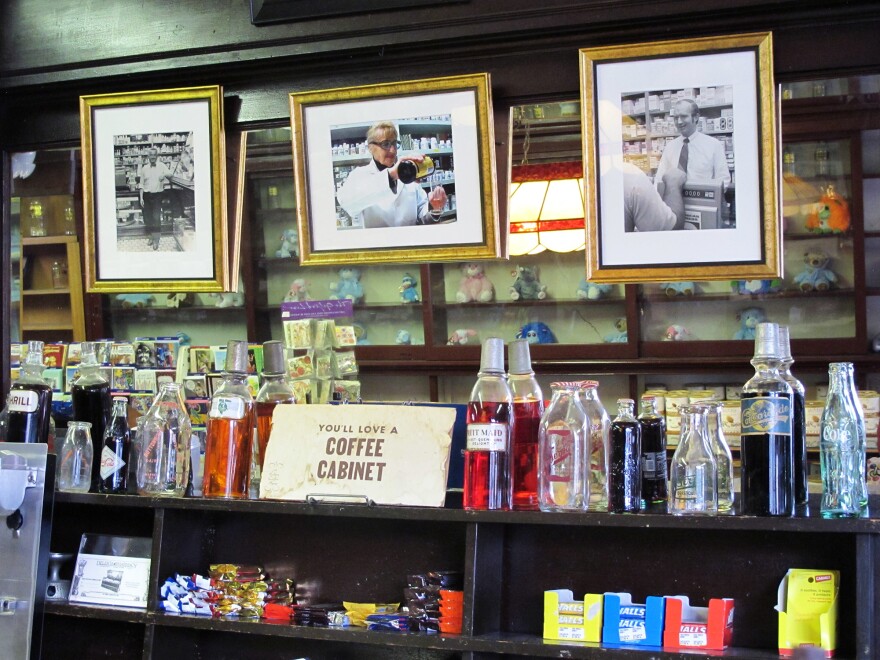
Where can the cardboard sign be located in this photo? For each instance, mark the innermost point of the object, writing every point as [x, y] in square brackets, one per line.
[316, 309]
[388, 454]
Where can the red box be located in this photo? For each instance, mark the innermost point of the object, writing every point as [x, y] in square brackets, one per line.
[698, 627]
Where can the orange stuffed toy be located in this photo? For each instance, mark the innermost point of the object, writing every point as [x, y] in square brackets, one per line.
[831, 215]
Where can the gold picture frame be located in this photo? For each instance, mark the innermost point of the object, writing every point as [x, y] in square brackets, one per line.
[154, 191]
[448, 119]
[638, 103]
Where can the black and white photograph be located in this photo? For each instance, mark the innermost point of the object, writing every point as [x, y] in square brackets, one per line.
[679, 158]
[154, 191]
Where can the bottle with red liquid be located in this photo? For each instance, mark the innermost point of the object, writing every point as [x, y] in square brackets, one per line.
[29, 403]
[624, 461]
[90, 394]
[654, 468]
[528, 407]
[274, 390]
[489, 429]
[799, 418]
[230, 433]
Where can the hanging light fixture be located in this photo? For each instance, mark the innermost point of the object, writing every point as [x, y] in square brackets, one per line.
[546, 208]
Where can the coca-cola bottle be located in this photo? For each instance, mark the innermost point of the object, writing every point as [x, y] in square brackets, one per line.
[528, 407]
[90, 394]
[654, 464]
[116, 450]
[29, 404]
[489, 423]
[624, 461]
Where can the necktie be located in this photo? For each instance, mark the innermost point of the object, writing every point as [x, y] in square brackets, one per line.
[683, 156]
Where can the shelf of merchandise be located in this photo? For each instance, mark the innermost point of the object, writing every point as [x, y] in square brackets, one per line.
[497, 551]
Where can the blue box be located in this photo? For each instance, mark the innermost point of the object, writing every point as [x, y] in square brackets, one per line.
[631, 623]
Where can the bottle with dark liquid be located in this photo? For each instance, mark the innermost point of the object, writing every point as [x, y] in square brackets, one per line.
[29, 404]
[90, 394]
[766, 449]
[230, 433]
[528, 407]
[274, 390]
[489, 423]
[799, 423]
[654, 468]
[624, 461]
[116, 450]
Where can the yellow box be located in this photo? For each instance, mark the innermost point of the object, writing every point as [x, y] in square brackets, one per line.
[807, 605]
[569, 619]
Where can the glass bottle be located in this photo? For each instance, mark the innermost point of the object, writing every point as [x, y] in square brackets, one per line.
[231, 422]
[29, 403]
[59, 274]
[600, 438]
[37, 225]
[90, 394]
[788, 161]
[839, 449]
[654, 469]
[134, 454]
[163, 445]
[528, 408]
[860, 427]
[116, 450]
[69, 221]
[562, 443]
[723, 457]
[694, 472]
[489, 423]
[274, 390]
[75, 460]
[798, 421]
[766, 450]
[624, 462]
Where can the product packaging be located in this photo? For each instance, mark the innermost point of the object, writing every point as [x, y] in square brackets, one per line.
[570, 619]
[698, 627]
[626, 622]
[807, 606]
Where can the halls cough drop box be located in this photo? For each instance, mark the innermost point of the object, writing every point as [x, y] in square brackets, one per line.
[807, 605]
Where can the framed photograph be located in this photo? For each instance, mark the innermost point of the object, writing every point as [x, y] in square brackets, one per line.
[396, 172]
[154, 181]
[680, 160]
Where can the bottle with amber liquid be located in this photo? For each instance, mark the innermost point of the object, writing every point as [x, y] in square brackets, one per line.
[654, 468]
[116, 450]
[528, 407]
[624, 461]
[799, 419]
[274, 390]
[766, 448]
[90, 394]
[29, 403]
[489, 422]
[231, 421]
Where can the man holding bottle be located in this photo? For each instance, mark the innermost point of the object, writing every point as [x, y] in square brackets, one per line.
[378, 195]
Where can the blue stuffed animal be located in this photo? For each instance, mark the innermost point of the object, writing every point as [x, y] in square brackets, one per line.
[536, 333]
[673, 289]
[526, 285]
[409, 292]
[816, 276]
[619, 335]
[404, 338]
[756, 287]
[749, 318]
[591, 291]
[348, 285]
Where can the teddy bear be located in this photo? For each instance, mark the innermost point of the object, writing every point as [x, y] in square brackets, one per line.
[619, 336]
[816, 276]
[526, 285]
[676, 333]
[474, 285]
[348, 286]
[289, 244]
[749, 318]
[130, 300]
[831, 214]
[536, 333]
[591, 291]
[464, 337]
[673, 289]
[756, 287]
[298, 292]
[409, 292]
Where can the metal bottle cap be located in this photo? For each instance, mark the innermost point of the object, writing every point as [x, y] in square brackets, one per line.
[766, 340]
[273, 357]
[237, 356]
[492, 355]
[784, 343]
[519, 358]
